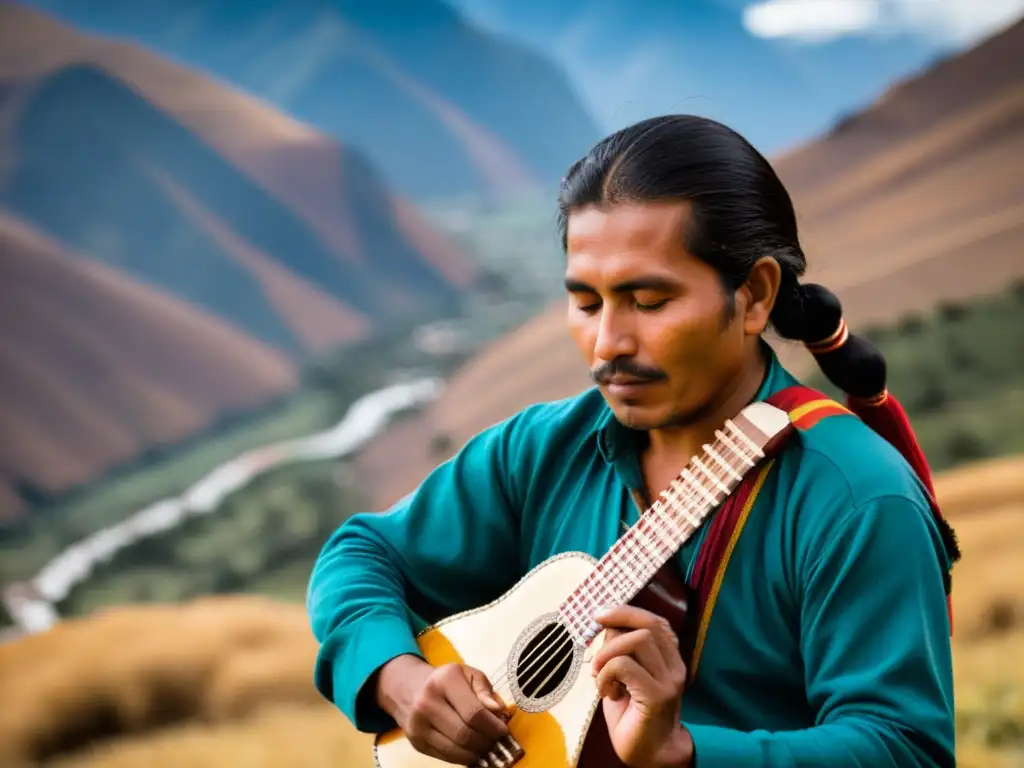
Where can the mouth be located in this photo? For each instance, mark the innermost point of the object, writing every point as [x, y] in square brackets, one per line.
[624, 386]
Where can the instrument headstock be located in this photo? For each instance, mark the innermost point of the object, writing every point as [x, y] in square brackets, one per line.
[763, 424]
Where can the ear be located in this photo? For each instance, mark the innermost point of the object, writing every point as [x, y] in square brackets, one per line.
[760, 291]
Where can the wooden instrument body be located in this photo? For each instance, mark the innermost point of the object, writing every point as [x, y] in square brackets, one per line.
[486, 638]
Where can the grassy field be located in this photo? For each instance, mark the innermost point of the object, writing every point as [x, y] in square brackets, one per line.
[226, 681]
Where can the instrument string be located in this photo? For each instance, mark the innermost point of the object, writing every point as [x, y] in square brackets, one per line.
[620, 582]
[673, 495]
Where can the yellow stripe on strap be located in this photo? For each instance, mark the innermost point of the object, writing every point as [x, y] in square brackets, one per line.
[809, 414]
[702, 630]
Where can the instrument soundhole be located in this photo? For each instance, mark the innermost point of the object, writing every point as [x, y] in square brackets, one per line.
[545, 663]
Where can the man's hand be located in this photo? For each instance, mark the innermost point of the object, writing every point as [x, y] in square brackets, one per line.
[451, 713]
[641, 677]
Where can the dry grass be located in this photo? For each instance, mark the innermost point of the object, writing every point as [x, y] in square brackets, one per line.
[170, 679]
[281, 737]
[986, 505]
[226, 681]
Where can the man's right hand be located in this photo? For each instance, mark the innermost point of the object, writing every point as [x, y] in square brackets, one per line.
[451, 713]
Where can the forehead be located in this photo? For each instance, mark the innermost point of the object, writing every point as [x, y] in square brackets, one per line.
[629, 236]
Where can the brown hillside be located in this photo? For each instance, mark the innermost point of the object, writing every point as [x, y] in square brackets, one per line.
[915, 200]
[280, 187]
[227, 681]
[249, 133]
[96, 366]
[273, 240]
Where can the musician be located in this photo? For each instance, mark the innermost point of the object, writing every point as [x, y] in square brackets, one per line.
[830, 642]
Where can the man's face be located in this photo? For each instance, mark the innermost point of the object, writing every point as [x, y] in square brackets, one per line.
[652, 321]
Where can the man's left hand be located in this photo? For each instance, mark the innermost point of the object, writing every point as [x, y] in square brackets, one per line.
[641, 676]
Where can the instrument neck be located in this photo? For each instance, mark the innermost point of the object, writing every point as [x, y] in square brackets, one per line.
[661, 529]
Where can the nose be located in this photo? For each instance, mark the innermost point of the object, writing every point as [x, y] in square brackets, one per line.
[615, 337]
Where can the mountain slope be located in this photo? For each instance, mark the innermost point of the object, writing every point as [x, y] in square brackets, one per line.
[170, 250]
[98, 367]
[206, 193]
[444, 107]
[916, 200]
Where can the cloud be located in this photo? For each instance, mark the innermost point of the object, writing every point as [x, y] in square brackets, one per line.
[957, 22]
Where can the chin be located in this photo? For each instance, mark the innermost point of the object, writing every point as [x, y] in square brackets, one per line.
[637, 416]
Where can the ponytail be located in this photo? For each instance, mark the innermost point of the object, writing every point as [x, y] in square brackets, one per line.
[813, 315]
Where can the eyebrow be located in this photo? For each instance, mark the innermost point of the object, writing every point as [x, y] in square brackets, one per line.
[647, 283]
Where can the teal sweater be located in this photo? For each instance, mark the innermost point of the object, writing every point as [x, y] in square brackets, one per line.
[829, 643]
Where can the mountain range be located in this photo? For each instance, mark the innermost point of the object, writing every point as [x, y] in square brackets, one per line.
[200, 242]
[439, 106]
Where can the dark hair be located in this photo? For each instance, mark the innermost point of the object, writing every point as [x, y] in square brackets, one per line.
[740, 212]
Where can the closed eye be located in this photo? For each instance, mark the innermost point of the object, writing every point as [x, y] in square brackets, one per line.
[651, 307]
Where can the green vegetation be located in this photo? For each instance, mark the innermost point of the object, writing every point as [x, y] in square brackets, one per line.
[263, 538]
[959, 373]
[328, 387]
[53, 526]
[516, 240]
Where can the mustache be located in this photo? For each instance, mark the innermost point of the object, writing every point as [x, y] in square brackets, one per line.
[603, 373]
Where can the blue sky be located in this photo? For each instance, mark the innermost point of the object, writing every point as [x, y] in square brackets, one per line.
[779, 71]
[815, 58]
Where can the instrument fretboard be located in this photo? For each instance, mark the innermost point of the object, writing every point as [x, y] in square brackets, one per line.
[665, 526]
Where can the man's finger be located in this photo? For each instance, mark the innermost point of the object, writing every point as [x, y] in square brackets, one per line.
[629, 617]
[444, 748]
[641, 645]
[486, 693]
[627, 671]
[449, 723]
[470, 708]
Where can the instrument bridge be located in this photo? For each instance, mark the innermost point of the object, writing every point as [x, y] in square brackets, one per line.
[505, 754]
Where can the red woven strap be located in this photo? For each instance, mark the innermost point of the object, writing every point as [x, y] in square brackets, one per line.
[885, 415]
[806, 407]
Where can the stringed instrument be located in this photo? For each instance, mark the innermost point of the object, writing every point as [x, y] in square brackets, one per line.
[534, 641]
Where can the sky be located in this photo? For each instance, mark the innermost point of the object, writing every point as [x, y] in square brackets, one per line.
[780, 71]
[817, 59]
[956, 23]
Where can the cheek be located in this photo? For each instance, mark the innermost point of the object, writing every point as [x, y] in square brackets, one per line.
[690, 343]
[583, 330]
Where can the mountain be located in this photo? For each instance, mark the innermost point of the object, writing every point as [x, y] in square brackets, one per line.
[97, 367]
[171, 250]
[916, 200]
[195, 188]
[440, 106]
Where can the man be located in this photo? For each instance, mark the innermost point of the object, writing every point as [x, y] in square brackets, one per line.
[830, 639]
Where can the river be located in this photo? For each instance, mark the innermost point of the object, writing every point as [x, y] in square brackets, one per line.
[33, 604]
